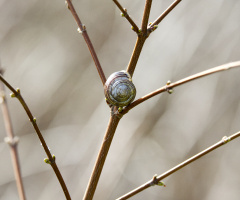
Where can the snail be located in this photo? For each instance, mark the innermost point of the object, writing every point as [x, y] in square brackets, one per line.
[119, 89]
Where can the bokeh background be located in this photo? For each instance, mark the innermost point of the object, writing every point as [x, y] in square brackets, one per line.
[45, 56]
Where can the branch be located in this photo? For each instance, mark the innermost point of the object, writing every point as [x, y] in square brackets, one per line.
[83, 30]
[112, 126]
[51, 159]
[168, 87]
[125, 14]
[146, 14]
[156, 179]
[165, 13]
[12, 140]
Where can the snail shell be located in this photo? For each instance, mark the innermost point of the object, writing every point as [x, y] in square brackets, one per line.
[119, 89]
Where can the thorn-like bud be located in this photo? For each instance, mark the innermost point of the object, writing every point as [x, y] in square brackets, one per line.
[54, 157]
[18, 90]
[120, 109]
[168, 82]
[122, 14]
[125, 9]
[170, 91]
[34, 119]
[46, 160]
[12, 95]
[161, 184]
[140, 30]
[225, 139]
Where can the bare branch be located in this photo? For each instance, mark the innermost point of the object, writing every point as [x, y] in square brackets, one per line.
[83, 30]
[156, 180]
[180, 82]
[165, 13]
[146, 14]
[125, 14]
[112, 126]
[12, 140]
[51, 159]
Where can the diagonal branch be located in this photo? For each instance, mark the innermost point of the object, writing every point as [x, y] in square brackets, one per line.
[92, 184]
[180, 82]
[156, 179]
[165, 13]
[51, 159]
[125, 14]
[82, 29]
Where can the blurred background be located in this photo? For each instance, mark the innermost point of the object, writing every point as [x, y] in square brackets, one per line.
[44, 55]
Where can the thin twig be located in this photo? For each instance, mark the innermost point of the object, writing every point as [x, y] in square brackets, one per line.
[146, 14]
[165, 13]
[51, 159]
[125, 14]
[180, 82]
[83, 30]
[12, 140]
[156, 180]
[92, 184]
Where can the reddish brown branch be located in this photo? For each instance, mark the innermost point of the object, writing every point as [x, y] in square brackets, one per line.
[12, 140]
[180, 82]
[92, 184]
[83, 30]
[125, 14]
[146, 14]
[157, 179]
[165, 13]
[51, 159]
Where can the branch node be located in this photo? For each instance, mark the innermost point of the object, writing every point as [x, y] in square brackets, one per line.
[2, 97]
[226, 139]
[155, 181]
[83, 29]
[66, 3]
[48, 161]
[11, 141]
[116, 111]
[167, 88]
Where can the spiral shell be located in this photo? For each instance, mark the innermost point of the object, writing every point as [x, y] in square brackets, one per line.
[119, 89]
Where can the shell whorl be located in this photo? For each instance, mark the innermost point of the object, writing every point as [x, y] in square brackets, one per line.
[119, 89]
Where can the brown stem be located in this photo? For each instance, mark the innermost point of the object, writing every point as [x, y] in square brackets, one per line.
[125, 14]
[156, 180]
[180, 82]
[146, 14]
[16, 93]
[135, 55]
[83, 30]
[165, 13]
[12, 141]
[92, 184]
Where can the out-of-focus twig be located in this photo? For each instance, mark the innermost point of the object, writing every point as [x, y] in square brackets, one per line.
[51, 159]
[170, 86]
[156, 180]
[12, 140]
[82, 29]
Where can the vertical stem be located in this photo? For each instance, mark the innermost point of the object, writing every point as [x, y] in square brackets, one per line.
[91, 188]
[12, 144]
[136, 53]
